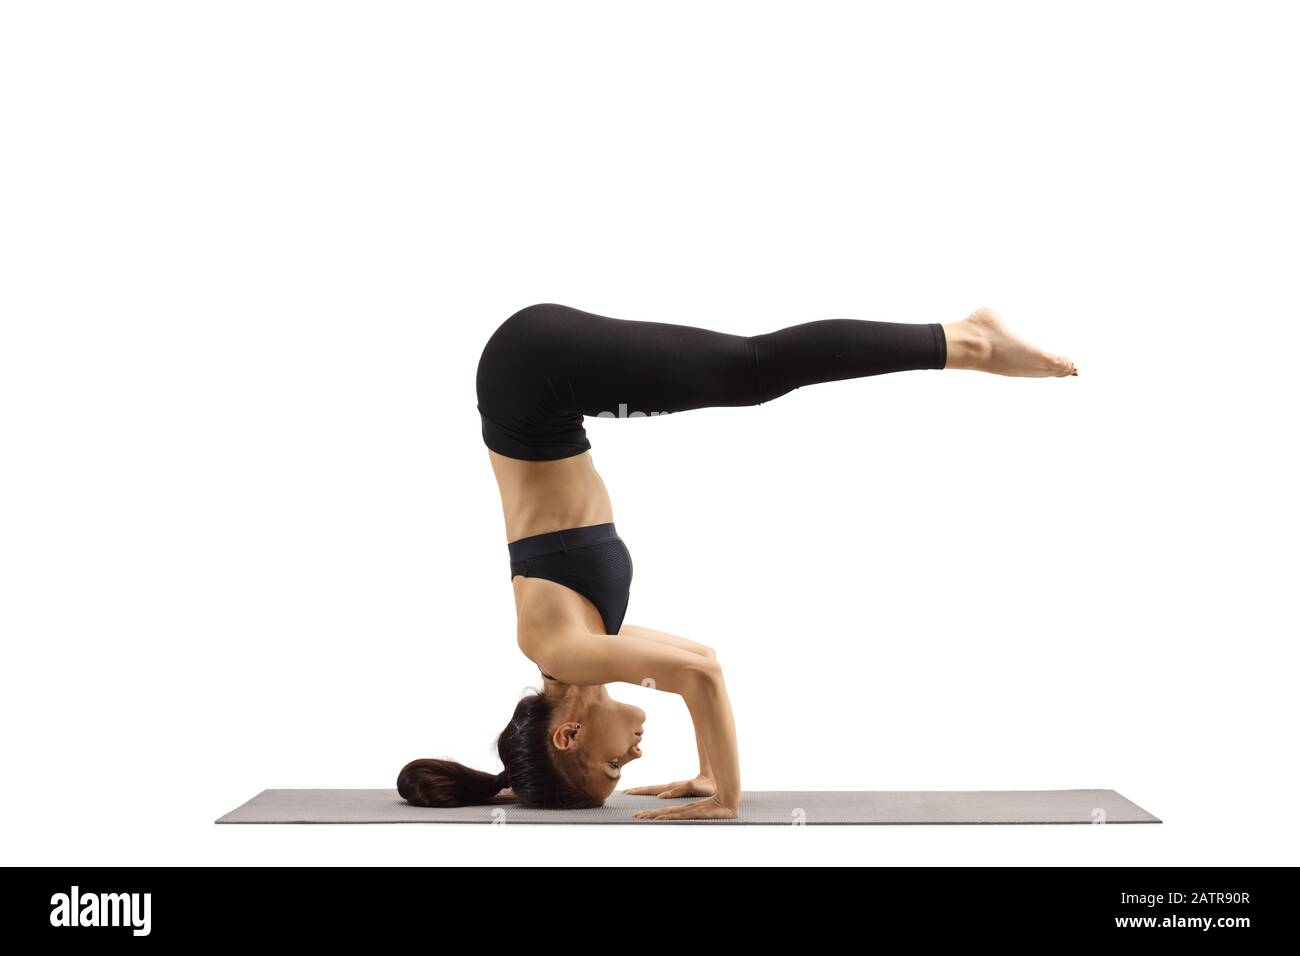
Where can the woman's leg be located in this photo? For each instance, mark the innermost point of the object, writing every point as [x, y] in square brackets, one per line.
[604, 363]
[549, 365]
[601, 365]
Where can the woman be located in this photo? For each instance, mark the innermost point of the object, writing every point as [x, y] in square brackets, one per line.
[541, 372]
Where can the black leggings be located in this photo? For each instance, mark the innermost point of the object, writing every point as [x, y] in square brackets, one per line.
[549, 365]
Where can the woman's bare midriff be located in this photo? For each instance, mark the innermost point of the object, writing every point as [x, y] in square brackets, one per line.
[542, 496]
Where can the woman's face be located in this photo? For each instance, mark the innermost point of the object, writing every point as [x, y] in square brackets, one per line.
[608, 735]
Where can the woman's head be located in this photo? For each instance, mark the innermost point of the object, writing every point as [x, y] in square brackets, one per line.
[563, 749]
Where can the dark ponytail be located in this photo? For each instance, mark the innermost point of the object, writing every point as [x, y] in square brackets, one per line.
[538, 774]
[429, 782]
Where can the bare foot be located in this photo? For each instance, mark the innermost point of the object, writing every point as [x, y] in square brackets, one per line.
[984, 343]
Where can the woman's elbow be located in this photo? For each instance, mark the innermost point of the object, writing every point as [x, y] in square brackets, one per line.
[702, 674]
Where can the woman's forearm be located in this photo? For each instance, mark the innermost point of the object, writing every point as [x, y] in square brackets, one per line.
[715, 733]
[706, 768]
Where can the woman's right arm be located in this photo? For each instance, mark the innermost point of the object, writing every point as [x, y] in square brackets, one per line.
[575, 657]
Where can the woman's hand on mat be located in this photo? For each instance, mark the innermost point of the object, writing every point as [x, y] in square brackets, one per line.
[710, 809]
[700, 786]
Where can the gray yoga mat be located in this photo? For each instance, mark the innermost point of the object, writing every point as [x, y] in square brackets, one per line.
[771, 807]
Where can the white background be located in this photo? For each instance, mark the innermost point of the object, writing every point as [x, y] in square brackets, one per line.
[251, 252]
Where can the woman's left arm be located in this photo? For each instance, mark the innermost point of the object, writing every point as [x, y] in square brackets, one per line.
[701, 785]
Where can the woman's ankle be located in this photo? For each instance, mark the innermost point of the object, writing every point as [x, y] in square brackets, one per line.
[967, 347]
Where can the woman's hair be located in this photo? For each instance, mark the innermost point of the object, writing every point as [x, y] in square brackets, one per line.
[534, 769]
